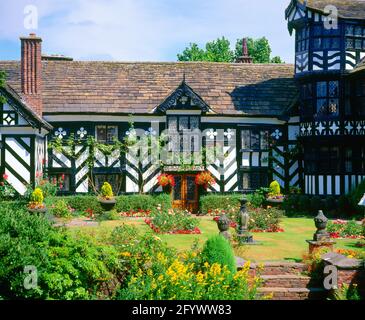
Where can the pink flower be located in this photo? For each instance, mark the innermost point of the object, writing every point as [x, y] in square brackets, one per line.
[5, 176]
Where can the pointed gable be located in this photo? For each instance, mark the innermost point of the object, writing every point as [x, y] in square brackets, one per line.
[184, 97]
[15, 112]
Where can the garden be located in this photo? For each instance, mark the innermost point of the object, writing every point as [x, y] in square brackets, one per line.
[139, 247]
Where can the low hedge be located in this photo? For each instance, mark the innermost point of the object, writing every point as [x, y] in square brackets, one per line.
[124, 203]
[213, 202]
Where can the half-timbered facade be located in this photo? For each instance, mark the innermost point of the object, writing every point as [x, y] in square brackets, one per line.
[260, 116]
[330, 50]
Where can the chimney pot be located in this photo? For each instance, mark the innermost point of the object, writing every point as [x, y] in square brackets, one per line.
[245, 58]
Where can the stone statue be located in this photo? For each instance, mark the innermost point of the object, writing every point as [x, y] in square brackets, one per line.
[244, 236]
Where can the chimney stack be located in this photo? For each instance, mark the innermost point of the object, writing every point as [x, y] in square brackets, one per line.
[31, 72]
[245, 58]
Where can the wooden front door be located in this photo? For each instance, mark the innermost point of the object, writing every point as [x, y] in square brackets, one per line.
[185, 193]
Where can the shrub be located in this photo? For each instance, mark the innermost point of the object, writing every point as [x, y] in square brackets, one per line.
[143, 202]
[217, 249]
[109, 216]
[258, 198]
[211, 203]
[315, 204]
[68, 267]
[7, 191]
[343, 229]
[61, 210]
[177, 280]
[107, 191]
[84, 203]
[265, 219]
[37, 196]
[174, 221]
[275, 189]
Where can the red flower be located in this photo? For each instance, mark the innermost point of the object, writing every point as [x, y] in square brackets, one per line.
[5, 176]
[165, 180]
[205, 179]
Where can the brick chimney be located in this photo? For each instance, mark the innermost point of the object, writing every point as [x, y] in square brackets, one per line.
[31, 72]
[245, 58]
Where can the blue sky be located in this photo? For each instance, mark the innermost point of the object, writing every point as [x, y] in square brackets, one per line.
[142, 30]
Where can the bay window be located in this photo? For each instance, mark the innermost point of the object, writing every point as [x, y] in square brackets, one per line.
[327, 99]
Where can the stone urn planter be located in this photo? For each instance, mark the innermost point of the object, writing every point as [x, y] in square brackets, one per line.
[107, 204]
[40, 210]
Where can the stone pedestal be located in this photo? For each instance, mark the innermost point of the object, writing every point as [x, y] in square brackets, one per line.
[315, 245]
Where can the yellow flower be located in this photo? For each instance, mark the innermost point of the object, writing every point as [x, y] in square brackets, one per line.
[126, 254]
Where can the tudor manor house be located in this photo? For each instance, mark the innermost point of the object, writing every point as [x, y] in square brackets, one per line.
[302, 125]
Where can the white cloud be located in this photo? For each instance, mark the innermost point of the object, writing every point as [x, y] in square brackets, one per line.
[147, 30]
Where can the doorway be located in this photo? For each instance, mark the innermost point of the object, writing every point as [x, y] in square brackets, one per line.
[185, 194]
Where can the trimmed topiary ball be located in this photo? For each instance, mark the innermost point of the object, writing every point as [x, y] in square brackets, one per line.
[218, 250]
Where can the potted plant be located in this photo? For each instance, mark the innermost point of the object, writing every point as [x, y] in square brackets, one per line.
[36, 204]
[106, 198]
[204, 180]
[166, 181]
[275, 195]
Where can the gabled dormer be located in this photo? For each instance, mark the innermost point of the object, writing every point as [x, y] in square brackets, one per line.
[183, 98]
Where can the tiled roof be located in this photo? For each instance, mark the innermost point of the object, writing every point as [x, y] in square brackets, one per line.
[352, 9]
[125, 88]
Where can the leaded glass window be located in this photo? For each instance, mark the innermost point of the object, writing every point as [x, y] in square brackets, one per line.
[327, 99]
[106, 133]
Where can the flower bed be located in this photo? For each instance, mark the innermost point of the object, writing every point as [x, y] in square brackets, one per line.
[174, 222]
[196, 230]
[136, 213]
[341, 229]
[232, 224]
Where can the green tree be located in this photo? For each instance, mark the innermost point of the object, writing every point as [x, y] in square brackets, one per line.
[220, 51]
[215, 51]
[259, 49]
[192, 53]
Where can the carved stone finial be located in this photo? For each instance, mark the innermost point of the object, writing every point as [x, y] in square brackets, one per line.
[321, 224]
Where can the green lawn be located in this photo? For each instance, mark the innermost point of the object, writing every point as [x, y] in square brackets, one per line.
[289, 246]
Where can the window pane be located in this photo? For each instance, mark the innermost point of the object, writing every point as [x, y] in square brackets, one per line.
[245, 136]
[326, 43]
[333, 88]
[245, 181]
[358, 31]
[255, 140]
[349, 43]
[172, 124]
[358, 44]
[333, 107]
[194, 123]
[183, 123]
[264, 140]
[349, 30]
[335, 43]
[177, 188]
[321, 107]
[317, 30]
[321, 89]
[101, 133]
[317, 43]
[112, 133]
